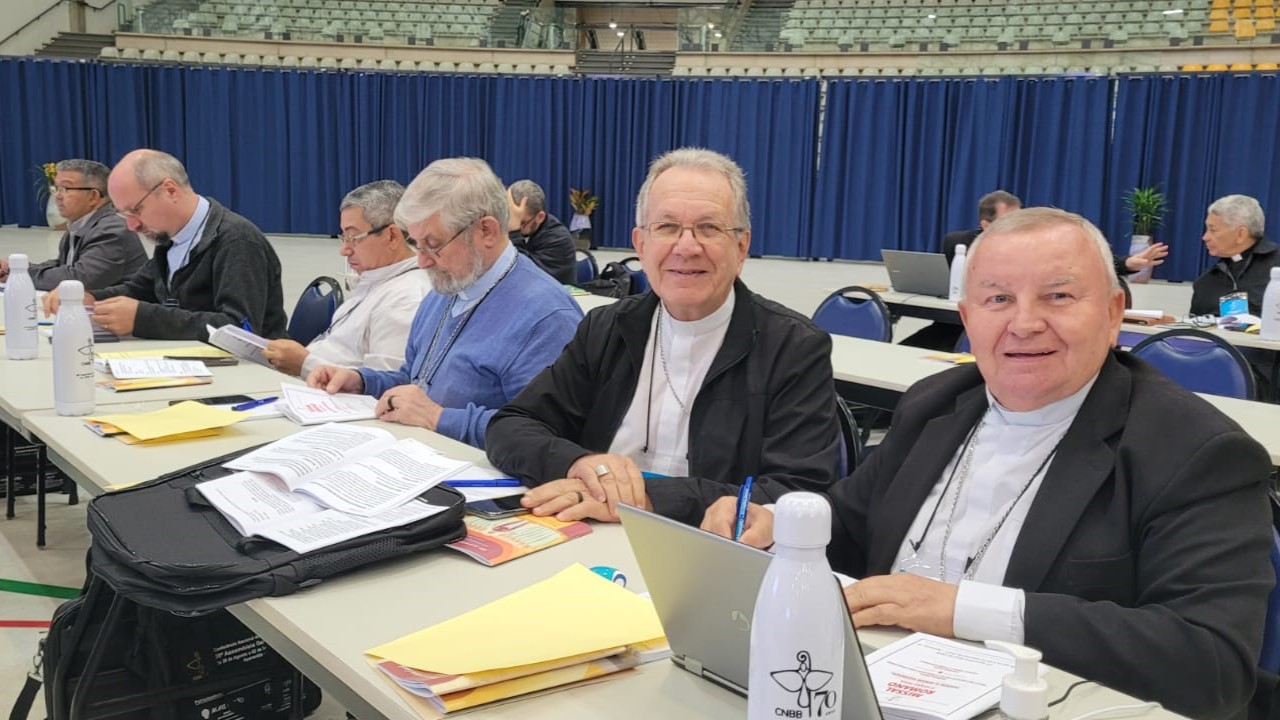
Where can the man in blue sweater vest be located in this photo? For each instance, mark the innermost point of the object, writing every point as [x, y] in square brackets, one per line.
[493, 321]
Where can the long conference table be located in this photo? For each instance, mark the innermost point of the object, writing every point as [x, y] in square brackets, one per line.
[325, 629]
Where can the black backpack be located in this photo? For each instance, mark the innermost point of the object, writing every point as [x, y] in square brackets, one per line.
[614, 281]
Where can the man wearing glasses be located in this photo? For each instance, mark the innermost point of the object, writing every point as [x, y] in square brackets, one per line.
[538, 234]
[371, 327]
[211, 266]
[493, 321]
[699, 384]
[97, 249]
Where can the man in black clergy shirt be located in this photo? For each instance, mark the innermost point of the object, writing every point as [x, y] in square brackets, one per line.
[1061, 494]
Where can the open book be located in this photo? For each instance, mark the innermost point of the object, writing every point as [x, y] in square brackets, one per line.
[239, 342]
[328, 484]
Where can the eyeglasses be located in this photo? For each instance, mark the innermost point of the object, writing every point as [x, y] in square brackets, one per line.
[351, 240]
[137, 207]
[704, 232]
[60, 189]
[526, 226]
[423, 247]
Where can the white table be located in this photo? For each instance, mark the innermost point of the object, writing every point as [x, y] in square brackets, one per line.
[319, 633]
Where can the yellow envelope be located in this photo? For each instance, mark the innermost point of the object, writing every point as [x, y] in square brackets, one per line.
[185, 417]
[574, 612]
[193, 351]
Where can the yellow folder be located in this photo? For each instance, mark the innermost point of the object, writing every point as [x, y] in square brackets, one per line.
[574, 612]
[185, 417]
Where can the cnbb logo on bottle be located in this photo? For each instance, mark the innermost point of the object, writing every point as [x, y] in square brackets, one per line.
[808, 684]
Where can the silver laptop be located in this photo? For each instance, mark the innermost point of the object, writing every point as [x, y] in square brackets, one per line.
[918, 272]
[704, 589]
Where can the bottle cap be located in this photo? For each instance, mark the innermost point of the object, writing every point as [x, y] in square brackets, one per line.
[1024, 695]
[71, 291]
[1275, 273]
[17, 261]
[961, 249]
[802, 520]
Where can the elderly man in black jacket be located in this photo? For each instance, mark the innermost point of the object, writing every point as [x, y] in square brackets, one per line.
[1062, 494]
[211, 266]
[699, 384]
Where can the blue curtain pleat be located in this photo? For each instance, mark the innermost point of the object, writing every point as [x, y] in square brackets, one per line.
[899, 162]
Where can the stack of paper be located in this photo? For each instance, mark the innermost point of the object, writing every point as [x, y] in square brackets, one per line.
[329, 484]
[153, 372]
[924, 677]
[100, 359]
[312, 406]
[587, 628]
[177, 422]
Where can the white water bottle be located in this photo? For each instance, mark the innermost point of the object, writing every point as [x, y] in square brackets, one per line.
[22, 336]
[1271, 308]
[72, 353]
[797, 631]
[957, 273]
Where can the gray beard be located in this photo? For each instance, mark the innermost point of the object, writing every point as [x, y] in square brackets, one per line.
[446, 284]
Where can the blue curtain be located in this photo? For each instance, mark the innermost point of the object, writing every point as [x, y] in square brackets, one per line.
[900, 162]
[904, 161]
[770, 127]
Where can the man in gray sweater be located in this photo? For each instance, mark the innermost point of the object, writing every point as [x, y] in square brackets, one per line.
[211, 266]
[97, 249]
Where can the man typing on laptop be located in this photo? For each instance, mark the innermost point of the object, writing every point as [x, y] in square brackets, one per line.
[1060, 494]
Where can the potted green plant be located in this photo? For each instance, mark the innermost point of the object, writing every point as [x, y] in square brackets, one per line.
[1147, 207]
[583, 203]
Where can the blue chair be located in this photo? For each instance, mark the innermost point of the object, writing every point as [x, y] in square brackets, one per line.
[852, 445]
[314, 311]
[1270, 658]
[857, 312]
[639, 281]
[586, 268]
[1199, 362]
[963, 345]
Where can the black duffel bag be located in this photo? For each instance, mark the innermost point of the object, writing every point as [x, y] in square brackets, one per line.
[163, 546]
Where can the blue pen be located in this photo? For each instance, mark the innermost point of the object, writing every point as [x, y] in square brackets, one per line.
[500, 482]
[744, 499]
[253, 404]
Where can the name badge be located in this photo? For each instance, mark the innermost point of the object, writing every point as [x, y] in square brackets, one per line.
[1236, 303]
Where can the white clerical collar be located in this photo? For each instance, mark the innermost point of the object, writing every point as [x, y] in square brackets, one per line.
[195, 225]
[373, 276]
[489, 278]
[716, 320]
[1051, 414]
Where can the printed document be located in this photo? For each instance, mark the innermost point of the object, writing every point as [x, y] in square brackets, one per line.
[923, 677]
[312, 406]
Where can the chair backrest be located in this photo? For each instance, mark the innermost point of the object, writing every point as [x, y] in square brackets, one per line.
[639, 281]
[857, 312]
[1270, 658]
[851, 447]
[962, 344]
[314, 311]
[586, 267]
[1199, 362]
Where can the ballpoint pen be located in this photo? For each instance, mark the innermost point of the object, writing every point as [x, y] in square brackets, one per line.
[744, 500]
[499, 482]
[254, 403]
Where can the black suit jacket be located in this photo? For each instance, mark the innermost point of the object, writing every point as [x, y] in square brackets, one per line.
[959, 237]
[107, 252]
[550, 247]
[1145, 552]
